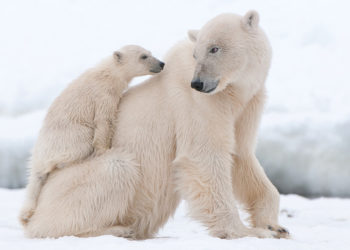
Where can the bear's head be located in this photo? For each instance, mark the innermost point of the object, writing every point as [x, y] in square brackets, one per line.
[137, 60]
[230, 49]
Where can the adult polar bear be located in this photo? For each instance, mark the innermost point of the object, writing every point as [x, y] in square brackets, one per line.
[173, 141]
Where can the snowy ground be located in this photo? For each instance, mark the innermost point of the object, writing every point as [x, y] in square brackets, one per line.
[304, 139]
[314, 224]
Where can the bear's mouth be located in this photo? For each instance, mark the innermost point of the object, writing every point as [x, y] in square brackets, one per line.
[209, 87]
[209, 90]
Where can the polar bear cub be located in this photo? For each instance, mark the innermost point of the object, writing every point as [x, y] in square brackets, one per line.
[79, 122]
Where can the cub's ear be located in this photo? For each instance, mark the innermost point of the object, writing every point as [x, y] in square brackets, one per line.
[250, 21]
[192, 35]
[118, 56]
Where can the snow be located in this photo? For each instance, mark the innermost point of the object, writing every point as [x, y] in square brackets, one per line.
[314, 224]
[304, 138]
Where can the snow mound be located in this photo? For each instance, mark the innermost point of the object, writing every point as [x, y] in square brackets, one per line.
[306, 156]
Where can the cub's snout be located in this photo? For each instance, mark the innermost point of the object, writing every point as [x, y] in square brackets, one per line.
[157, 67]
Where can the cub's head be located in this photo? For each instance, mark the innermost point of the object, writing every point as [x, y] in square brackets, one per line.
[137, 60]
[229, 49]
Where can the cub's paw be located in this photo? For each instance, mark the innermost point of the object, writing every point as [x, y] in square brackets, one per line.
[25, 214]
[281, 232]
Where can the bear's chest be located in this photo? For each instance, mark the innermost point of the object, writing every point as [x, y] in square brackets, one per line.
[206, 130]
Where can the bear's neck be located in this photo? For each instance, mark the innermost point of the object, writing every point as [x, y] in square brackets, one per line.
[120, 72]
[123, 72]
[237, 95]
[251, 82]
[111, 75]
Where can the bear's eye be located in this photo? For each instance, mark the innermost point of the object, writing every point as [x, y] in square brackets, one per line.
[143, 57]
[214, 50]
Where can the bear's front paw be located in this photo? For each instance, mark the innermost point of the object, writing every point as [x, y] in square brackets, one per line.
[281, 232]
[245, 232]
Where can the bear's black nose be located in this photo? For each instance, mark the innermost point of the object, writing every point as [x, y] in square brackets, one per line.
[197, 85]
[161, 64]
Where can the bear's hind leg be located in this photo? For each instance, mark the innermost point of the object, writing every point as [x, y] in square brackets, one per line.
[117, 231]
[86, 198]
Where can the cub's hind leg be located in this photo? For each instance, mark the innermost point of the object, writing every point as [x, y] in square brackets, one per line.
[37, 179]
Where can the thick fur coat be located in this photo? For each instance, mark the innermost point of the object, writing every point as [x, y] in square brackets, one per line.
[79, 123]
[172, 142]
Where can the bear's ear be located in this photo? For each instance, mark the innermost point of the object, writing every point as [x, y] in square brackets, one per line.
[192, 35]
[118, 56]
[250, 21]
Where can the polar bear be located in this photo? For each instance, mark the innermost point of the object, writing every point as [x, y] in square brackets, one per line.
[79, 122]
[188, 132]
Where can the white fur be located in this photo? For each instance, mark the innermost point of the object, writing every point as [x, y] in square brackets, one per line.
[79, 123]
[174, 142]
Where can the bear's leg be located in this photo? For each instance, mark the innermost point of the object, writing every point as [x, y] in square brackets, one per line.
[211, 200]
[103, 135]
[251, 186]
[36, 182]
[87, 197]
